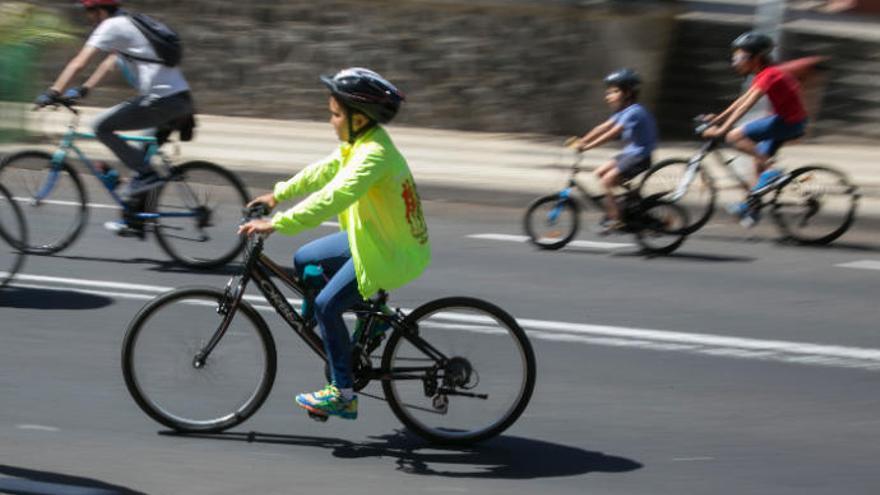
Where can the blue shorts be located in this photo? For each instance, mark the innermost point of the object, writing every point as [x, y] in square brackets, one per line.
[630, 165]
[770, 132]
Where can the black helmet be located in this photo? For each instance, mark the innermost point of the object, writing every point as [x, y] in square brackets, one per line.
[624, 79]
[365, 91]
[753, 42]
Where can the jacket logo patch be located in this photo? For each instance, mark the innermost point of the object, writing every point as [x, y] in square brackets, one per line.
[414, 217]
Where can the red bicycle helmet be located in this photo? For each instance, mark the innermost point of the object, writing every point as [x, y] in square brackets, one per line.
[91, 4]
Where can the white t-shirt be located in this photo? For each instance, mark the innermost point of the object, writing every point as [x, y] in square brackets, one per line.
[119, 35]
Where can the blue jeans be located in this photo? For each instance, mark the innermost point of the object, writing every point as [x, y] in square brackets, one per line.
[770, 132]
[333, 255]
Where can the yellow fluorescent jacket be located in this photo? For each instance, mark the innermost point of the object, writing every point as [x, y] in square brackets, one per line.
[370, 187]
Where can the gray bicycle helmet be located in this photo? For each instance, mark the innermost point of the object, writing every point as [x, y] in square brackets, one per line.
[754, 43]
[624, 79]
[365, 91]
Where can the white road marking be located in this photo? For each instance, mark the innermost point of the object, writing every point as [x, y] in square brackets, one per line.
[581, 244]
[557, 331]
[68, 203]
[861, 265]
[692, 459]
[37, 427]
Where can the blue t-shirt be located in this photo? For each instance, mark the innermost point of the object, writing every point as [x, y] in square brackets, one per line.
[639, 130]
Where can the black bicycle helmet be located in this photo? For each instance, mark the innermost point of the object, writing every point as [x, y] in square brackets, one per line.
[365, 91]
[624, 79]
[754, 43]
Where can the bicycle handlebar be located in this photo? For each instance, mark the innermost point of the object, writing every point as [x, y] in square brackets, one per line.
[62, 102]
[254, 212]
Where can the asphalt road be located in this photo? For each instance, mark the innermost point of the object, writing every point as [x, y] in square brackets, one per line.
[738, 365]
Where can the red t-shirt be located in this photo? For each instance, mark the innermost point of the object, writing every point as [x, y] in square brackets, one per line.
[784, 93]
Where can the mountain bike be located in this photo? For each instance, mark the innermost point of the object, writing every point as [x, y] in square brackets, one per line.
[455, 370]
[13, 233]
[813, 204]
[188, 213]
[552, 221]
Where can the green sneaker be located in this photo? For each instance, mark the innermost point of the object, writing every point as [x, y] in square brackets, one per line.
[328, 402]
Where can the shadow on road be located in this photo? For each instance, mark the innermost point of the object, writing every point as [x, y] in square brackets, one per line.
[505, 457]
[838, 245]
[22, 481]
[26, 298]
[162, 266]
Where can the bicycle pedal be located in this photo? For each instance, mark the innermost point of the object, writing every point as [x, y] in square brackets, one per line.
[318, 417]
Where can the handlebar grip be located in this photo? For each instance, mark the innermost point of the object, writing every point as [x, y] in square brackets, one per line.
[256, 211]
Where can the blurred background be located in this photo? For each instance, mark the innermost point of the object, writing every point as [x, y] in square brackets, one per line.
[521, 66]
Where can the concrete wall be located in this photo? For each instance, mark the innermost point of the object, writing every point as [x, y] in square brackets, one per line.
[490, 65]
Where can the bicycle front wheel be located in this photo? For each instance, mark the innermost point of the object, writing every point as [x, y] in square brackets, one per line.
[815, 206]
[51, 197]
[170, 381]
[663, 181]
[459, 370]
[551, 221]
[13, 234]
[199, 209]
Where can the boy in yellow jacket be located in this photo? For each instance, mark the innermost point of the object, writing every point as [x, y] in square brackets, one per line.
[383, 243]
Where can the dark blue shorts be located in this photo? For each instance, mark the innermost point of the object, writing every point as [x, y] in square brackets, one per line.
[631, 165]
[770, 132]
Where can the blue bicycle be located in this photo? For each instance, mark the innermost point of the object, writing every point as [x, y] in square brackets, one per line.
[193, 212]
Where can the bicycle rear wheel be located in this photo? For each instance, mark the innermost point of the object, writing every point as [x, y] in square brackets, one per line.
[162, 372]
[481, 385]
[13, 234]
[57, 218]
[199, 208]
[664, 227]
[663, 180]
[816, 205]
[551, 221]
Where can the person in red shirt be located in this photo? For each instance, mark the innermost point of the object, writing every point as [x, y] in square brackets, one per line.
[760, 138]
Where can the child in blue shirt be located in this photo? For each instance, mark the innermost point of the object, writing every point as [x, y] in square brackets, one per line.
[631, 123]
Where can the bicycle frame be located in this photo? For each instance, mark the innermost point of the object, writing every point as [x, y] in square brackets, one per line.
[68, 145]
[260, 268]
[713, 147]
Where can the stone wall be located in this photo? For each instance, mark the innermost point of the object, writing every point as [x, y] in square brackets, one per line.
[489, 65]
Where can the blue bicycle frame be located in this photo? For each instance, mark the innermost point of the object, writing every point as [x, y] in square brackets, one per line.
[67, 145]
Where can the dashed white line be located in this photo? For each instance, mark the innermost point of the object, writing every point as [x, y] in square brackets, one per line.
[861, 265]
[581, 244]
[557, 331]
[37, 427]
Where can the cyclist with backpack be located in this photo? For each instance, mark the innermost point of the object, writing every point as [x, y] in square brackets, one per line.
[383, 243]
[760, 138]
[147, 53]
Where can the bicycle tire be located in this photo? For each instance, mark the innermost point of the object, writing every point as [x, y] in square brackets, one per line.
[568, 209]
[173, 244]
[13, 230]
[152, 408]
[419, 320]
[846, 192]
[23, 182]
[677, 235]
[662, 179]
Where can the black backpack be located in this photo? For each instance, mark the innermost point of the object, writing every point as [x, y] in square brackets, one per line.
[163, 39]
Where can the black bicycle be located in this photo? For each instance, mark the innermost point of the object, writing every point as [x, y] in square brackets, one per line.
[455, 370]
[552, 221]
[13, 234]
[813, 204]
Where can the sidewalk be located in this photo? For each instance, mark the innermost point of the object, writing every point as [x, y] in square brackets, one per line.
[486, 168]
